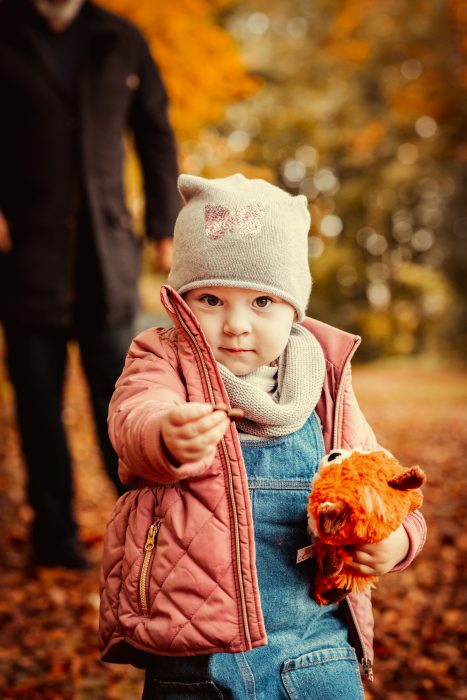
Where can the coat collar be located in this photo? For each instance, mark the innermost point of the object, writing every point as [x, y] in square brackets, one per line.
[338, 346]
[186, 322]
[192, 343]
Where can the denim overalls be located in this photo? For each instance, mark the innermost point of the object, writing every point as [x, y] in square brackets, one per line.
[308, 656]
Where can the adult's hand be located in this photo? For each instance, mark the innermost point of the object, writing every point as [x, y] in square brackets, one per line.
[5, 239]
[160, 255]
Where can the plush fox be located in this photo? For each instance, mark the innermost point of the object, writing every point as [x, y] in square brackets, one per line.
[356, 498]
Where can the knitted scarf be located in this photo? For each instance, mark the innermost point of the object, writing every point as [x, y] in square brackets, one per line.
[300, 379]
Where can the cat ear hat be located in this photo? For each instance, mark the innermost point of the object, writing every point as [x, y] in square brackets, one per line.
[236, 232]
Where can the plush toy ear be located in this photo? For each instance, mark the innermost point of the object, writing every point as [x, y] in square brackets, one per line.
[331, 563]
[412, 478]
[332, 517]
[335, 595]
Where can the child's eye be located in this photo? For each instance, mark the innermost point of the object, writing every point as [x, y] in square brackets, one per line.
[211, 300]
[263, 302]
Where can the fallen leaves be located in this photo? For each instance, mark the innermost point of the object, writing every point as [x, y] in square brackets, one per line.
[420, 623]
[48, 618]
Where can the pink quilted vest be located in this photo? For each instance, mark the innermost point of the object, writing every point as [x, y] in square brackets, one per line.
[178, 574]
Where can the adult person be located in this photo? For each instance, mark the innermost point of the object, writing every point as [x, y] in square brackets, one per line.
[73, 78]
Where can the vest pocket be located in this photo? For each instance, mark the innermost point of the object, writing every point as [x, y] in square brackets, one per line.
[145, 570]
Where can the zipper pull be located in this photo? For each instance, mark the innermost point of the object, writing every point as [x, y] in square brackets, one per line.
[152, 534]
[367, 668]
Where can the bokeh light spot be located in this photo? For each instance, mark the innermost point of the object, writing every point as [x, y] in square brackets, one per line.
[325, 180]
[258, 23]
[378, 294]
[293, 171]
[238, 140]
[346, 275]
[407, 153]
[376, 244]
[422, 239]
[411, 69]
[315, 247]
[331, 225]
[426, 127]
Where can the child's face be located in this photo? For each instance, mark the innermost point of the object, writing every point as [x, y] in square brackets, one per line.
[245, 328]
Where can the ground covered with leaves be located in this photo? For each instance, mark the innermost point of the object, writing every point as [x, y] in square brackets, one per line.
[48, 618]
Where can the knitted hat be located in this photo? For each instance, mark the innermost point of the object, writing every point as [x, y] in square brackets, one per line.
[235, 232]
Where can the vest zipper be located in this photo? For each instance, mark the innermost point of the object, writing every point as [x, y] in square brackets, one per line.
[365, 660]
[233, 503]
[367, 668]
[340, 390]
[143, 585]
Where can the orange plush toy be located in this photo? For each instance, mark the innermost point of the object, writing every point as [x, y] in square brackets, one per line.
[356, 498]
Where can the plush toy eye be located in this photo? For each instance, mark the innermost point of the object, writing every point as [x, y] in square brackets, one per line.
[334, 457]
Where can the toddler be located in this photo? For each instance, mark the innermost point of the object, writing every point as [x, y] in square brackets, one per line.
[200, 584]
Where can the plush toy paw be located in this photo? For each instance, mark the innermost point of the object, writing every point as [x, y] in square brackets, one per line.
[356, 498]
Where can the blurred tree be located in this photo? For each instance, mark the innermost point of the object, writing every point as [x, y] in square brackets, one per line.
[198, 58]
[456, 218]
[363, 111]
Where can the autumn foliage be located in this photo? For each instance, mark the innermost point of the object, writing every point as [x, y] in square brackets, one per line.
[199, 60]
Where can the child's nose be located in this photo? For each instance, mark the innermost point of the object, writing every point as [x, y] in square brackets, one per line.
[236, 324]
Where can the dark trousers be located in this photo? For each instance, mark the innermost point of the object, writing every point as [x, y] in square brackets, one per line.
[36, 360]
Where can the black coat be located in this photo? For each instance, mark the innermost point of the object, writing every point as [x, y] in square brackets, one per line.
[61, 153]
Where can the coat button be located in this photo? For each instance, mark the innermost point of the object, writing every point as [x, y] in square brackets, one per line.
[132, 81]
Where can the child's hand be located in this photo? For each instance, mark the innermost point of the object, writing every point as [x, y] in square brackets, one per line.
[191, 432]
[379, 558]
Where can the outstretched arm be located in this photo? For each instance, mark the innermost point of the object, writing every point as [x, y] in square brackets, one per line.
[155, 144]
[150, 421]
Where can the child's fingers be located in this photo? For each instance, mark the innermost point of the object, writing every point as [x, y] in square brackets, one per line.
[212, 435]
[188, 412]
[186, 443]
[192, 431]
[194, 411]
[201, 442]
[199, 426]
[369, 569]
[368, 561]
[360, 557]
